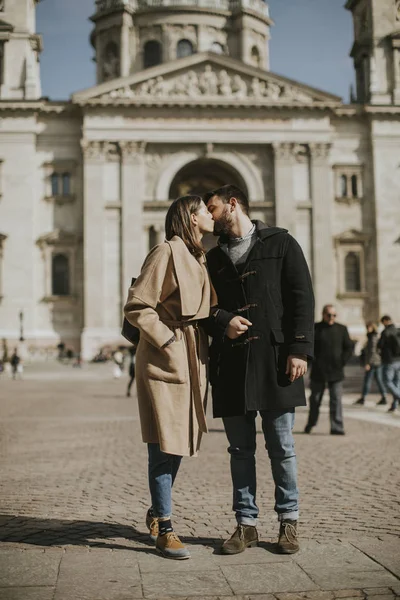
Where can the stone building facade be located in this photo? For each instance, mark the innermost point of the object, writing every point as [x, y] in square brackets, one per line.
[185, 101]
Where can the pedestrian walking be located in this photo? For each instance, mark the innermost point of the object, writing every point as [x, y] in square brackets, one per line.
[389, 348]
[333, 348]
[16, 365]
[257, 364]
[166, 302]
[372, 365]
[132, 354]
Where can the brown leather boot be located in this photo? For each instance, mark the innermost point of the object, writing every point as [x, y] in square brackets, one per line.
[287, 542]
[244, 536]
[152, 525]
[170, 546]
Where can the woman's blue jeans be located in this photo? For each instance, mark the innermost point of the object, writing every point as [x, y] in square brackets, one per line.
[241, 432]
[378, 373]
[163, 469]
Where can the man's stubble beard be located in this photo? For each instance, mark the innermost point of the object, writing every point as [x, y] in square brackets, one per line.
[224, 224]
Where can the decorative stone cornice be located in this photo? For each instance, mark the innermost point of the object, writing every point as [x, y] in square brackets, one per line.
[58, 237]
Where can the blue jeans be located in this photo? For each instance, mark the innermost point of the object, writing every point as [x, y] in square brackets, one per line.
[391, 377]
[378, 373]
[163, 469]
[241, 432]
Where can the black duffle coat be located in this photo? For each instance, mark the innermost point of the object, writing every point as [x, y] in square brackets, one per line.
[274, 292]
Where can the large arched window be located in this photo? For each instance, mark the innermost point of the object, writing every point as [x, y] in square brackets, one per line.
[152, 54]
[184, 48]
[352, 270]
[60, 275]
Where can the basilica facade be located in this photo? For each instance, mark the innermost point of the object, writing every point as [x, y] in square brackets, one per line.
[186, 100]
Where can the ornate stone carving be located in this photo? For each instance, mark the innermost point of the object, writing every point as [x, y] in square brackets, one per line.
[92, 150]
[132, 151]
[211, 83]
[320, 151]
[300, 152]
[284, 151]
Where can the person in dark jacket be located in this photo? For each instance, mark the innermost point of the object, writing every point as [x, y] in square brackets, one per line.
[258, 356]
[389, 348]
[333, 348]
[372, 365]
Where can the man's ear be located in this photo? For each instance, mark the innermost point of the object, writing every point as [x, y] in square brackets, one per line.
[233, 202]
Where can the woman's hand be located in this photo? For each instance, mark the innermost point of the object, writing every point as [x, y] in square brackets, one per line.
[237, 327]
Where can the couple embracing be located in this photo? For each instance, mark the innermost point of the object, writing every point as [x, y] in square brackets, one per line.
[252, 295]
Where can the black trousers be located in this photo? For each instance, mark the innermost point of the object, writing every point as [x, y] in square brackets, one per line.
[335, 403]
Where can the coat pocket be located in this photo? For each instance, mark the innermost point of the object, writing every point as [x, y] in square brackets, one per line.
[168, 364]
[278, 339]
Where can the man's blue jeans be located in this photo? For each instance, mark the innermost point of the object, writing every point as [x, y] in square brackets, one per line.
[241, 432]
[163, 469]
[391, 377]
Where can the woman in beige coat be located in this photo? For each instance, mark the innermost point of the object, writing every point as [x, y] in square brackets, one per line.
[171, 295]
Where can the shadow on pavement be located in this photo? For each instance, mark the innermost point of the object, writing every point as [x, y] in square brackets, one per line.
[93, 534]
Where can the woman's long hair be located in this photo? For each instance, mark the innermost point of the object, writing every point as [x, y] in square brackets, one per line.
[178, 222]
[373, 326]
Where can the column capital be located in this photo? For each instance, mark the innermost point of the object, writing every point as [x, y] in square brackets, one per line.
[92, 150]
[284, 151]
[132, 152]
[320, 151]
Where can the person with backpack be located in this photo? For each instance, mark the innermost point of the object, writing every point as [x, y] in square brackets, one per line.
[389, 348]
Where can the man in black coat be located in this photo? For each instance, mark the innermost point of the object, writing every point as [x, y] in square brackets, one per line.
[333, 348]
[262, 339]
[389, 348]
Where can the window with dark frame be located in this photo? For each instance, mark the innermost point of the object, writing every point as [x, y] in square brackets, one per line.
[60, 283]
[152, 54]
[184, 48]
[352, 272]
[66, 184]
[55, 184]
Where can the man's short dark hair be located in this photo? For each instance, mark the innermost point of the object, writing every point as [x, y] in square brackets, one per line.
[386, 318]
[226, 192]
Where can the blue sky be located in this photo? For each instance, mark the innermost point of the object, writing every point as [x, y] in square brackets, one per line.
[310, 42]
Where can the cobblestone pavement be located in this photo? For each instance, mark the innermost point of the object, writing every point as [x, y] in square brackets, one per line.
[73, 495]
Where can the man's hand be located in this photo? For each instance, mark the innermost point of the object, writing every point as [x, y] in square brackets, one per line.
[296, 366]
[367, 367]
[237, 327]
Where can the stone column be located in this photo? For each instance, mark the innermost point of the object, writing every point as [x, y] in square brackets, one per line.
[324, 271]
[93, 246]
[125, 56]
[285, 207]
[132, 195]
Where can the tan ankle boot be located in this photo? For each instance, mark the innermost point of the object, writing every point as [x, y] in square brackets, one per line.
[170, 546]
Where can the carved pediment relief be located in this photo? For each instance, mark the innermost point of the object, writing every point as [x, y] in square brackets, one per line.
[210, 80]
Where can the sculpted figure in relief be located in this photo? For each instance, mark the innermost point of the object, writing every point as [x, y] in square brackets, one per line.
[192, 84]
[239, 87]
[208, 82]
[257, 88]
[225, 87]
[272, 91]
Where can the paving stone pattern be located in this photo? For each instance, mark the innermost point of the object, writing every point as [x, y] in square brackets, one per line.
[73, 496]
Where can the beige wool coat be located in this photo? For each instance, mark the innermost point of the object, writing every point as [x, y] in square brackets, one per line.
[171, 294]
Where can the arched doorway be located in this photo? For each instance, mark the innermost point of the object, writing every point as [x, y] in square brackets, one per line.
[202, 175]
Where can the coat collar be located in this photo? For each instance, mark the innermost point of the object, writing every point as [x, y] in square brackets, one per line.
[263, 231]
[190, 287]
